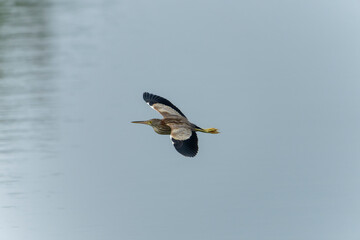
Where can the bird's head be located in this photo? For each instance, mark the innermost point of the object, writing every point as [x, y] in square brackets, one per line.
[151, 122]
[157, 125]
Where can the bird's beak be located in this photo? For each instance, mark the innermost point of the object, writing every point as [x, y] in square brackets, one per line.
[141, 122]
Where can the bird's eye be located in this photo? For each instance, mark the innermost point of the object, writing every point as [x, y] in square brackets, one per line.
[150, 122]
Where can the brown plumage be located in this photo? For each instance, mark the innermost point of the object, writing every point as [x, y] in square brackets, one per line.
[181, 131]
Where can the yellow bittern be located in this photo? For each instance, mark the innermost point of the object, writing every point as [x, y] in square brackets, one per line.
[181, 131]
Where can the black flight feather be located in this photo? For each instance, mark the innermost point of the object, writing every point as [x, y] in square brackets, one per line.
[188, 147]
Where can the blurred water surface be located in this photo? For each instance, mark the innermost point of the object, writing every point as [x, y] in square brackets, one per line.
[27, 84]
[28, 108]
[280, 80]
[29, 112]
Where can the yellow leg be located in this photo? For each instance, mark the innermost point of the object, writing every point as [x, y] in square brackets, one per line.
[208, 130]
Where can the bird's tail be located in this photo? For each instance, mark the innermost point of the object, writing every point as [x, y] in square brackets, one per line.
[208, 130]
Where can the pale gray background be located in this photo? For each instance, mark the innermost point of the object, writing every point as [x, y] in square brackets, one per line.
[280, 79]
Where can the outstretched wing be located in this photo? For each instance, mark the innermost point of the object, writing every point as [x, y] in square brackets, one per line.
[162, 105]
[188, 147]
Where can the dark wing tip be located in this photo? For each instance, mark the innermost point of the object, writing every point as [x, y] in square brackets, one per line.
[189, 147]
[148, 97]
[152, 98]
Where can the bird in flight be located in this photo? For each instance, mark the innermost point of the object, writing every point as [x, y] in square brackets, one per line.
[174, 123]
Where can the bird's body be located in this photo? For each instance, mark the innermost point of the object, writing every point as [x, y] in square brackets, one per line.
[162, 128]
[181, 131]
